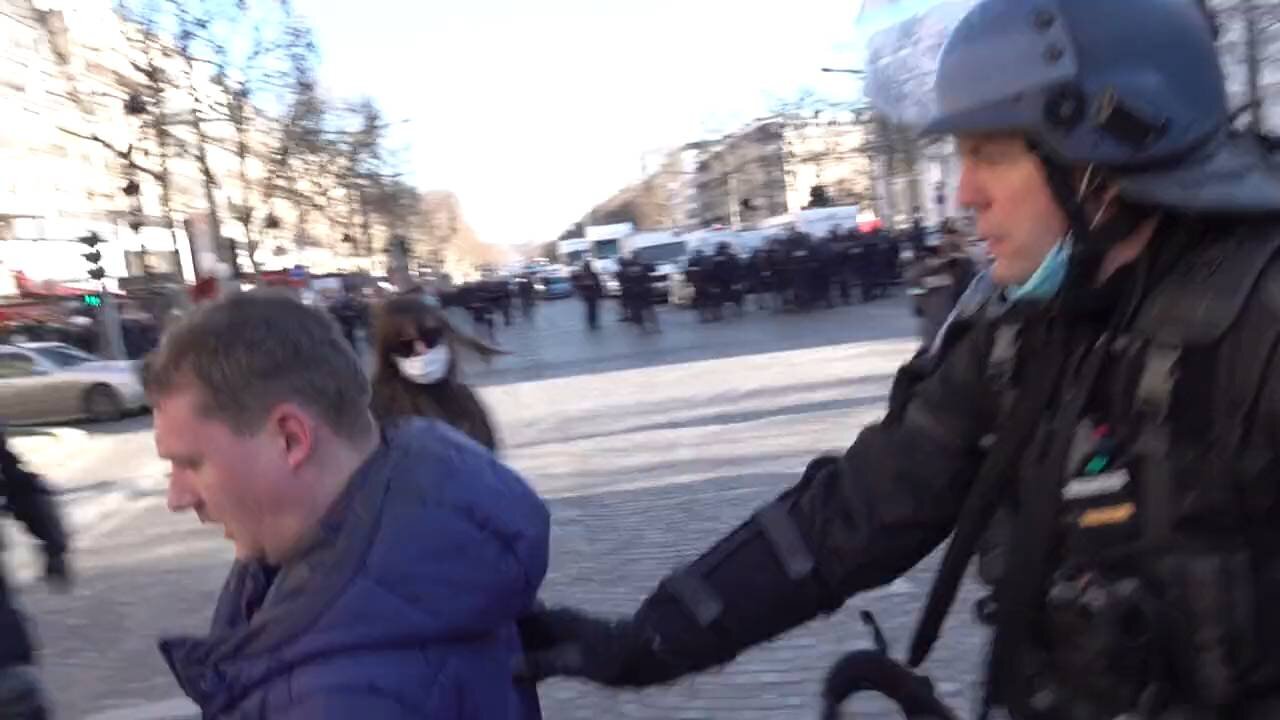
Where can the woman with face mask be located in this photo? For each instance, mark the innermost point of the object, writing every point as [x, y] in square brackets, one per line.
[417, 370]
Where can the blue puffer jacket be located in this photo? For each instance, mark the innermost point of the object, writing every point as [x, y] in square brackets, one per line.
[404, 606]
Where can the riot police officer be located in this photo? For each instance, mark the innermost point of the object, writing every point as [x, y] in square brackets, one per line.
[637, 292]
[1100, 420]
[23, 495]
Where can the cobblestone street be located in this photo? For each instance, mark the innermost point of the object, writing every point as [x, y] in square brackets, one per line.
[648, 447]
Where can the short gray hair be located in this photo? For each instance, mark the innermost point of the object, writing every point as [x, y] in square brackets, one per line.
[250, 352]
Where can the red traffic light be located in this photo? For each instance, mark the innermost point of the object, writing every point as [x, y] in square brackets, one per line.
[94, 256]
[91, 239]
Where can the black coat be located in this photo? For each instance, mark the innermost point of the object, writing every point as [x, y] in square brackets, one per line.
[25, 496]
[859, 521]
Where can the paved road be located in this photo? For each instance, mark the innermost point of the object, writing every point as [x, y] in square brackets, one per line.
[648, 446]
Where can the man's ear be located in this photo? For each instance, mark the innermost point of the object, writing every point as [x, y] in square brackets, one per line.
[296, 429]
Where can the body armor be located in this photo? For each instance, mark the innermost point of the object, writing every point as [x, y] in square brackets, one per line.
[1164, 557]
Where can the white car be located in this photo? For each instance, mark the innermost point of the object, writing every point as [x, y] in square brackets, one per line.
[44, 382]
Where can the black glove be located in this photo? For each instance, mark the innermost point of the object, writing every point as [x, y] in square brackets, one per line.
[56, 572]
[563, 641]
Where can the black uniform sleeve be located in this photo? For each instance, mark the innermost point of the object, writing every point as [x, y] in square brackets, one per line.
[1269, 289]
[30, 501]
[850, 524]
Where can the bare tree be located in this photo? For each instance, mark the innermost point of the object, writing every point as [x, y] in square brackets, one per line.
[218, 70]
[228, 90]
[362, 170]
[301, 153]
[133, 89]
[265, 72]
[1248, 36]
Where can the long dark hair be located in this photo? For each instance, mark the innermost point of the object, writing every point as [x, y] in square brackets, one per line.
[449, 400]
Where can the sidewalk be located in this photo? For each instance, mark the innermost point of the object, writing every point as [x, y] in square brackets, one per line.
[46, 449]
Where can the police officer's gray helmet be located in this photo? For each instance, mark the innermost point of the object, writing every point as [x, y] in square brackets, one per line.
[1131, 86]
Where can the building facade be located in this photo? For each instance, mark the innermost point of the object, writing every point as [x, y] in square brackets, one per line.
[59, 88]
[68, 147]
[772, 166]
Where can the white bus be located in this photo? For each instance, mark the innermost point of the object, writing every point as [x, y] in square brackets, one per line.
[815, 222]
[605, 240]
[573, 251]
[655, 246]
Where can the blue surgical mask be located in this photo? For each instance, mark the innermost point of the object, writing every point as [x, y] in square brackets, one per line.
[1045, 282]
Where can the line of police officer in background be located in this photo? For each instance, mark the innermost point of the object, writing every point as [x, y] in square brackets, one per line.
[797, 272]
[792, 272]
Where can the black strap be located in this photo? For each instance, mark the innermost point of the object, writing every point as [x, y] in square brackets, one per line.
[701, 600]
[1152, 399]
[1208, 290]
[783, 535]
[1040, 494]
[1214, 284]
[988, 487]
[1249, 380]
[1004, 354]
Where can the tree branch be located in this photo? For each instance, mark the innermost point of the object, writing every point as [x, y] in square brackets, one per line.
[125, 155]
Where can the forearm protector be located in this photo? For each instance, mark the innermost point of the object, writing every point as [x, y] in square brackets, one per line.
[851, 523]
[754, 584]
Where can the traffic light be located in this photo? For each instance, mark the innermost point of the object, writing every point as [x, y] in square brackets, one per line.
[94, 256]
[136, 104]
[91, 300]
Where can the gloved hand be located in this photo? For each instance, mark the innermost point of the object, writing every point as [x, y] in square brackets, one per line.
[56, 573]
[563, 641]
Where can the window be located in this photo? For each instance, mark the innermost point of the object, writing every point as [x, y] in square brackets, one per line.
[606, 248]
[13, 365]
[667, 252]
[65, 356]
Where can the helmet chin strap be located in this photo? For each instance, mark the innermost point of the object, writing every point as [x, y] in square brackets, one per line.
[1091, 240]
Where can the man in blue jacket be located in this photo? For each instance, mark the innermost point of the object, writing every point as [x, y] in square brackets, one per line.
[379, 572]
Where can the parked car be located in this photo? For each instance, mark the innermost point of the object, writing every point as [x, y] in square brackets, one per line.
[679, 289]
[661, 279]
[555, 287]
[43, 382]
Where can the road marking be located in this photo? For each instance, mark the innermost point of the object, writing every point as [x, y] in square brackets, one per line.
[174, 709]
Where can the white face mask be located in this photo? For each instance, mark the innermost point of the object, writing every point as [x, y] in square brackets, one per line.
[428, 368]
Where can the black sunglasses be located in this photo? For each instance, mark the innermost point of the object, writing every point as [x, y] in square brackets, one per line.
[406, 347]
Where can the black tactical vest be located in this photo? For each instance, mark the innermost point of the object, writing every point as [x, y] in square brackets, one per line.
[1160, 593]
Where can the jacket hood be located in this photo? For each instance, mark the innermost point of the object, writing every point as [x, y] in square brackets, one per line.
[434, 542]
